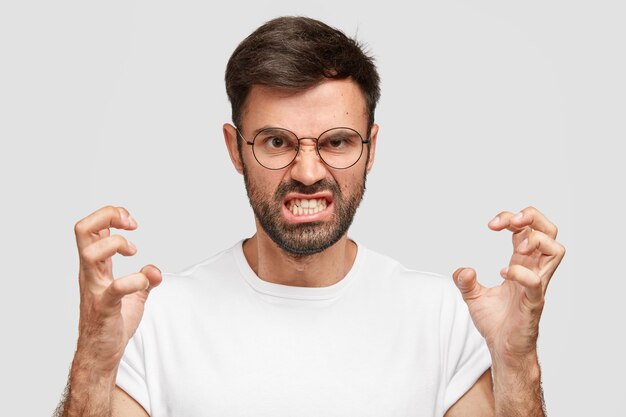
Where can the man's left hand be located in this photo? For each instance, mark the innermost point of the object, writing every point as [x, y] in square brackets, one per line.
[508, 315]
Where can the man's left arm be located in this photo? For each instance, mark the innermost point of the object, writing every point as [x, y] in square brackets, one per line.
[508, 316]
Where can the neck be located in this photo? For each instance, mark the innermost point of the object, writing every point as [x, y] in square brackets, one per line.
[274, 265]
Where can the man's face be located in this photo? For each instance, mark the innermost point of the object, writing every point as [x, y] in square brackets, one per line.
[308, 206]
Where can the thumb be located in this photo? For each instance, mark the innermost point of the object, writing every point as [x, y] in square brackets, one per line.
[153, 274]
[144, 280]
[465, 280]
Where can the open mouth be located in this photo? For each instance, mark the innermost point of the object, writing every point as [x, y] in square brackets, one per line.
[301, 207]
[311, 207]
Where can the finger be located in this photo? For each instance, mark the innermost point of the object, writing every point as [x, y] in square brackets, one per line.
[531, 282]
[539, 241]
[533, 218]
[465, 279]
[124, 286]
[103, 249]
[153, 274]
[88, 229]
[503, 221]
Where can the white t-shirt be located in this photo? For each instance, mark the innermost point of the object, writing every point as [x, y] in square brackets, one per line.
[216, 340]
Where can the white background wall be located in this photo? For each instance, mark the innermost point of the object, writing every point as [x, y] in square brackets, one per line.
[486, 106]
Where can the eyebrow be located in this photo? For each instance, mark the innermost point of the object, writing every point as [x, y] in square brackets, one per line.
[272, 127]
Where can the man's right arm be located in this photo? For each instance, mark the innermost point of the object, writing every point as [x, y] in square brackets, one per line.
[91, 398]
[106, 323]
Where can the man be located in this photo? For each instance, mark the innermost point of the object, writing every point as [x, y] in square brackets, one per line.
[299, 319]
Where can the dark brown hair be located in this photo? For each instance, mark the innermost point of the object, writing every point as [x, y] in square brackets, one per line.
[296, 53]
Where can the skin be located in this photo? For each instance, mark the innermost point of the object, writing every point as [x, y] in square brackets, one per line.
[110, 311]
[507, 315]
[307, 114]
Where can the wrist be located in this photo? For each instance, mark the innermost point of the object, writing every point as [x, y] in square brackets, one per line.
[517, 372]
[99, 356]
[507, 361]
[87, 370]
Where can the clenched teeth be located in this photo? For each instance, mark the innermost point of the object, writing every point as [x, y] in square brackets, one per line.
[300, 206]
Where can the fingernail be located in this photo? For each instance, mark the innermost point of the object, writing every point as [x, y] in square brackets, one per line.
[132, 222]
[131, 246]
[523, 246]
[518, 217]
[504, 271]
[123, 218]
[495, 221]
[460, 278]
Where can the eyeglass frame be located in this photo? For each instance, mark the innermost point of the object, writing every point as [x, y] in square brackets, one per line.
[317, 148]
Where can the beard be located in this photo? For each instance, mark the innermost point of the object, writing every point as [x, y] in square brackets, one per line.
[304, 239]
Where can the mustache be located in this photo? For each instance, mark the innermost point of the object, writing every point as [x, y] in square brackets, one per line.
[297, 187]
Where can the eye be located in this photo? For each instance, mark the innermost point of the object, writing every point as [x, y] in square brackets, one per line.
[336, 142]
[275, 142]
[339, 141]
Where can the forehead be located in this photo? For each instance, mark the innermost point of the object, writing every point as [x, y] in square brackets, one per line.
[328, 104]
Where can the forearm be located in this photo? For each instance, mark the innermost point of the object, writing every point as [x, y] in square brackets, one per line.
[110, 311]
[88, 393]
[517, 387]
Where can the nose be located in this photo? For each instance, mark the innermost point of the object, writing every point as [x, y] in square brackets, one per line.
[308, 168]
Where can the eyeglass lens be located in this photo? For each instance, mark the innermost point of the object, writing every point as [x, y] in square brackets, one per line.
[275, 148]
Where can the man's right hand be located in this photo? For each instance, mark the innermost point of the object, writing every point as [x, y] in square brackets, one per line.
[110, 309]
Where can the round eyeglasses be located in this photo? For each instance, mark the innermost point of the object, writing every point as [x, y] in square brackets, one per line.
[276, 148]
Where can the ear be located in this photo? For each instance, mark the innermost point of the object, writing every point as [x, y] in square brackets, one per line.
[230, 137]
[373, 135]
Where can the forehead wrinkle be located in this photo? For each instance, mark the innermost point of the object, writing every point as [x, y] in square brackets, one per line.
[310, 116]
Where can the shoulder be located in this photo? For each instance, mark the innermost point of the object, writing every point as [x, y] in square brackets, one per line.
[388, 270]
[203, 280]
[417, 287]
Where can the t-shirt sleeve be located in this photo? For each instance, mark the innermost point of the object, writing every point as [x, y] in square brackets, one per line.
[131, 374]
[467, 356]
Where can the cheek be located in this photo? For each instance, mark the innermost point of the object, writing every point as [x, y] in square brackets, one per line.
[351, 183]
[262, 184]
